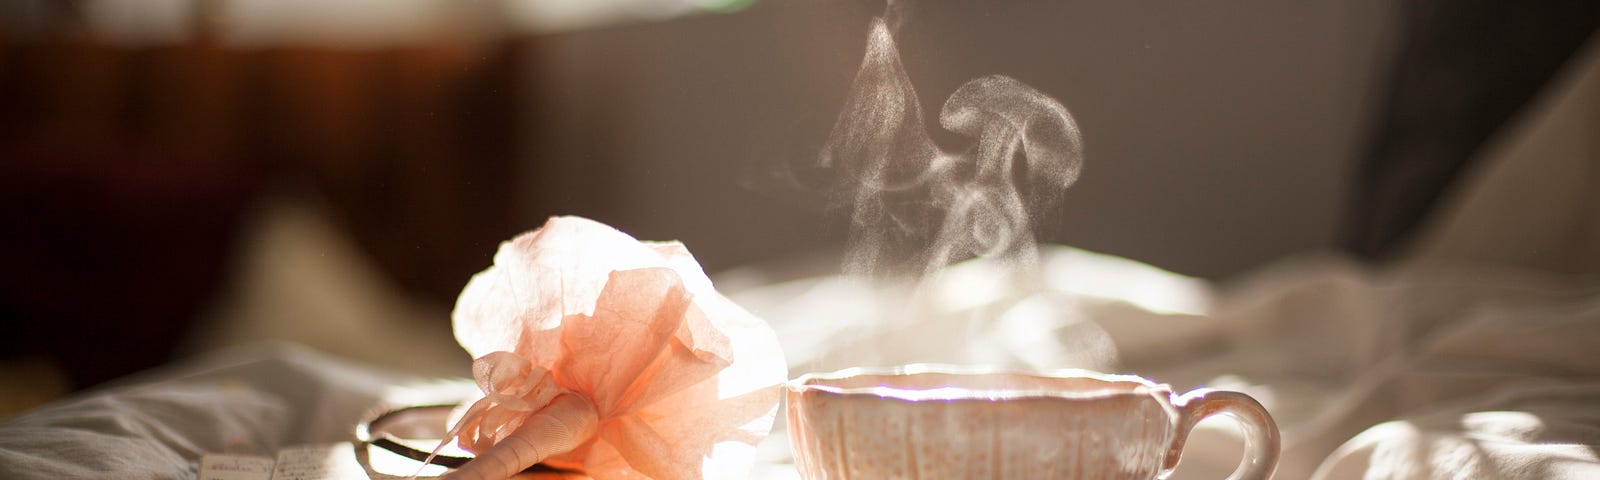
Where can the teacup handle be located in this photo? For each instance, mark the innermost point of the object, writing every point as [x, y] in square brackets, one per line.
[1260, 432]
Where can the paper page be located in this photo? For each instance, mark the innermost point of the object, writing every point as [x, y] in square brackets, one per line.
[221, 466]
[334, 461]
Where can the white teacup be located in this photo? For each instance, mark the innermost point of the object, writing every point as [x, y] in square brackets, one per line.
[929, 421]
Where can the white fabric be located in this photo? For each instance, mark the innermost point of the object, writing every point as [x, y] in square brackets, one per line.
[246, 400]
[1483, 369]
[1506, 383]
[1331, 348]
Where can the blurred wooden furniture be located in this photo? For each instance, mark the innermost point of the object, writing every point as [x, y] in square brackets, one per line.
[125, 171]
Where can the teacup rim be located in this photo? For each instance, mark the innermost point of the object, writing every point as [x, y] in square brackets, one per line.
[1142, 386]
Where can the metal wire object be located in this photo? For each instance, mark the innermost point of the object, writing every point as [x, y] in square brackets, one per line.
[376, 432]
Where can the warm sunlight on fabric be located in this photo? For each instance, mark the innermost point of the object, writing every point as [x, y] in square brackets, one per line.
[1117, 278]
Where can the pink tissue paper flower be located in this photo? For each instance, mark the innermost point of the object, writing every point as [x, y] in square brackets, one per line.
[606, 357]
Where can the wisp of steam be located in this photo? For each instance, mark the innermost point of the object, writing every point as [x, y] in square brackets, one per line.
[916, 207]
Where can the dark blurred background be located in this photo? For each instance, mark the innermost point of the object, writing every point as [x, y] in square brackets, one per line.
[148, 148]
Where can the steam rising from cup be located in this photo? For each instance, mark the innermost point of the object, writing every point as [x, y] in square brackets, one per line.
[916, 207]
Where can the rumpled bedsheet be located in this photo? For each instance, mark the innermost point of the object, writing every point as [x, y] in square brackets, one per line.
[1397, 373]
[250, 400]
[1371, 373]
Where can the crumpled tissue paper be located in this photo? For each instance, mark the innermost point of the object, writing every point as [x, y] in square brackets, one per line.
[605, 357]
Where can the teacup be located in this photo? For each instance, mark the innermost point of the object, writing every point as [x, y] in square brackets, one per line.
[931, 421]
